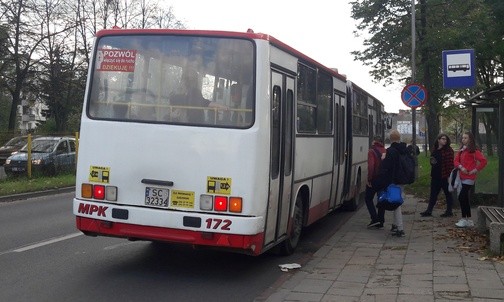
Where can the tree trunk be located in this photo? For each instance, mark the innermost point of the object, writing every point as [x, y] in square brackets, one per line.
[431, 104]
[13, 112]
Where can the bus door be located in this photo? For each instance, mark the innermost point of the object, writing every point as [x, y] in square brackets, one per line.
[281, 162]
[348, 126]
[339, 149]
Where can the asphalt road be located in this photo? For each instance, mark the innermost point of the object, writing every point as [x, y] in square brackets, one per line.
[44, 258]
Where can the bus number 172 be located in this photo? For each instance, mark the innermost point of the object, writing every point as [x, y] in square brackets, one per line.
[215, 223]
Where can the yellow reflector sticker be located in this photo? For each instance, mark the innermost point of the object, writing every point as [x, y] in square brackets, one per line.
[99, 174]
[219, 185]
[182, 199]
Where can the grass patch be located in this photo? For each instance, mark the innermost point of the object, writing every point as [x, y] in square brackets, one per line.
[487, 181]
[421, 187]
[18, 185]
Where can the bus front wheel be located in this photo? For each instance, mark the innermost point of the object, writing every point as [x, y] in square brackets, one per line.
[288, 246]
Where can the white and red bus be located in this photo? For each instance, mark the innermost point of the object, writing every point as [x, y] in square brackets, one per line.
[216, 139]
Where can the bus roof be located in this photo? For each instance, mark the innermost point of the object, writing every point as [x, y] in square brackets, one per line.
[250, 34]
[355, 86]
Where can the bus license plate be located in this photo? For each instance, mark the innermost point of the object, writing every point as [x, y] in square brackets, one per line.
[156, 197]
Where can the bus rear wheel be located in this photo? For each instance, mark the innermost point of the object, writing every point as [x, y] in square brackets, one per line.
[288, 246]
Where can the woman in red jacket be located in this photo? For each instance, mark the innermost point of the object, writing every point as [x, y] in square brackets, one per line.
[469, 160]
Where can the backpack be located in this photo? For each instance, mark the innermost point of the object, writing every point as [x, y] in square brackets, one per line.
[390, 198]
[404, 173]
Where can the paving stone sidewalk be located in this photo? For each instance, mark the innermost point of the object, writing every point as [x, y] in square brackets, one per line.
[360, 264]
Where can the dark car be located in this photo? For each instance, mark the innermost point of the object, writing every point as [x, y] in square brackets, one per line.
[12, 146]
[49, 155]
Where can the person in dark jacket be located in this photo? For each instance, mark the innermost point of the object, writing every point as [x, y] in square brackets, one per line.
[385, 177]
[441, 161]
[375, 155]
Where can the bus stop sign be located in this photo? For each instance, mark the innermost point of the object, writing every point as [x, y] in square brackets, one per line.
[459, 69]
[414, 95]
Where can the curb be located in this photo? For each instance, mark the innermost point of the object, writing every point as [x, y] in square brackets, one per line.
[21, 196]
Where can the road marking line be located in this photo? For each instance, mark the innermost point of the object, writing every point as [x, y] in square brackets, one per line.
[47, 242]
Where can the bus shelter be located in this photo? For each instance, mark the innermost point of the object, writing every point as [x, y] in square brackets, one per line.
[488, 127]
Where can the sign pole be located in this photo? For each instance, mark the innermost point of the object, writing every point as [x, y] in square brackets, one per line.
[413, 71]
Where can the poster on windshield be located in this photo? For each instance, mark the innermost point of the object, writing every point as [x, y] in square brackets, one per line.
[120, 60]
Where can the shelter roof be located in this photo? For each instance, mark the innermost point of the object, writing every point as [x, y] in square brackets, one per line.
[488, 97]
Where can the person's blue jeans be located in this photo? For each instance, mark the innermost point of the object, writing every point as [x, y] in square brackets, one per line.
[370, 194]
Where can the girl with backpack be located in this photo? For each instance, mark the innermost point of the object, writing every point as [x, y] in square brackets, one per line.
[441, 161]
[469, 161]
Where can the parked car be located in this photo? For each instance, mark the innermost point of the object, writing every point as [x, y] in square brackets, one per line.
[49, 155]
[12, 146]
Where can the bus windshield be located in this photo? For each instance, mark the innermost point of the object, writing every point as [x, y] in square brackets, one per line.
[188, 80]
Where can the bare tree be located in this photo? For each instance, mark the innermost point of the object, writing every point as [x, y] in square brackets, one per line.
[165, 18]
[60, 65]
[23, 41]
[46, 44]
[147, 10]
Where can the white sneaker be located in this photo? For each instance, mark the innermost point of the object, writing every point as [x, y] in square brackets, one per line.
[469, 223]
[462, 223]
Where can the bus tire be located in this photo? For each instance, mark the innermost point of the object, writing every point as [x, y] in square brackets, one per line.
[288, 246]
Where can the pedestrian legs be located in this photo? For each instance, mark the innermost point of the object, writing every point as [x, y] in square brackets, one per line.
[449, 197]
[370, 194]
[435, 187]
[398, 220]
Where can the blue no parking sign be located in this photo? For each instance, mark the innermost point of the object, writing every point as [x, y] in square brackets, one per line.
[414, 95]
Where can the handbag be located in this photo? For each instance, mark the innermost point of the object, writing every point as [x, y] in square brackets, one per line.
[454, 182]
[390, 198]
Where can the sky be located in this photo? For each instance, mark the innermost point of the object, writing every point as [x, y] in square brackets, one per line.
[320, 29]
